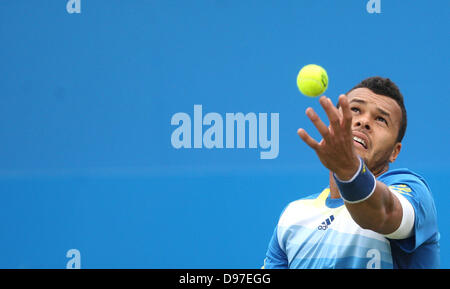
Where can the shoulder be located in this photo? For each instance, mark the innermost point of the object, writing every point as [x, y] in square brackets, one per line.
[297, 210]
[416, 190]
[304, 201]
[403, 174]
[407, 182]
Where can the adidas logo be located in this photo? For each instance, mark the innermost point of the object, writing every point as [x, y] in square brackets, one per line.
[326, 223]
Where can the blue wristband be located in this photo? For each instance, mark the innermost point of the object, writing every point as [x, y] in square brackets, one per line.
[360, 187]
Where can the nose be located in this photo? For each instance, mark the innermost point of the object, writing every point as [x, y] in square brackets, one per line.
[362, 123]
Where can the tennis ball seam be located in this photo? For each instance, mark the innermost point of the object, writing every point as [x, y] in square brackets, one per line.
[322, 88]
[317, 81]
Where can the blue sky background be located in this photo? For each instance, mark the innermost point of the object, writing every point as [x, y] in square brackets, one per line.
[86, 160]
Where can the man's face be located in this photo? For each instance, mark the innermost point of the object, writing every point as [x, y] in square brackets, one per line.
[375, 126]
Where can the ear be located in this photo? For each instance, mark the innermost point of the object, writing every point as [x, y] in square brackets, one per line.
[395, 152]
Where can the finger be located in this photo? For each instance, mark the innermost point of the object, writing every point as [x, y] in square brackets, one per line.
[307, 139]
[346, 113]
[318, 123]
[332, 113]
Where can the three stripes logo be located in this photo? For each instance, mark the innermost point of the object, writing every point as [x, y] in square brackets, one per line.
[326, 223]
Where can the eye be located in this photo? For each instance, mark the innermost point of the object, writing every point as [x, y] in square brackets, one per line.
[355, 109]
[379, 118]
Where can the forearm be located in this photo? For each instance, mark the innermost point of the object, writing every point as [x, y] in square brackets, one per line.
[370, 202]
[381, 212]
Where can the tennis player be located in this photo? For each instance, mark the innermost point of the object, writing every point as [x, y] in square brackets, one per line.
[369, 216]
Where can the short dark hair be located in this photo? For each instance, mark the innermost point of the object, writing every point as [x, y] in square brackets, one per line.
[386, 87]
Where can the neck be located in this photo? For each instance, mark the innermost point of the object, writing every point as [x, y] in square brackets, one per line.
[381, 171]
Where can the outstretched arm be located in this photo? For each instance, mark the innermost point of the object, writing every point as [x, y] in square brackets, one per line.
[381, 210]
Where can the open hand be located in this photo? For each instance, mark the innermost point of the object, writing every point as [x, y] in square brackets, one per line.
[336, 150]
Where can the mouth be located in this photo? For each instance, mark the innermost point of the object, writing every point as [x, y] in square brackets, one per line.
[360, 142]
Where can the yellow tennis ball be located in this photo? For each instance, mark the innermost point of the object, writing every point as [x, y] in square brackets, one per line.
[312, 80]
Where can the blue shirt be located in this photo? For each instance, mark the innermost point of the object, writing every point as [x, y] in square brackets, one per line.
[318, 232]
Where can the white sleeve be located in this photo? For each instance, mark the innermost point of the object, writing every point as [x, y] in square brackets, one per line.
[406, 227]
